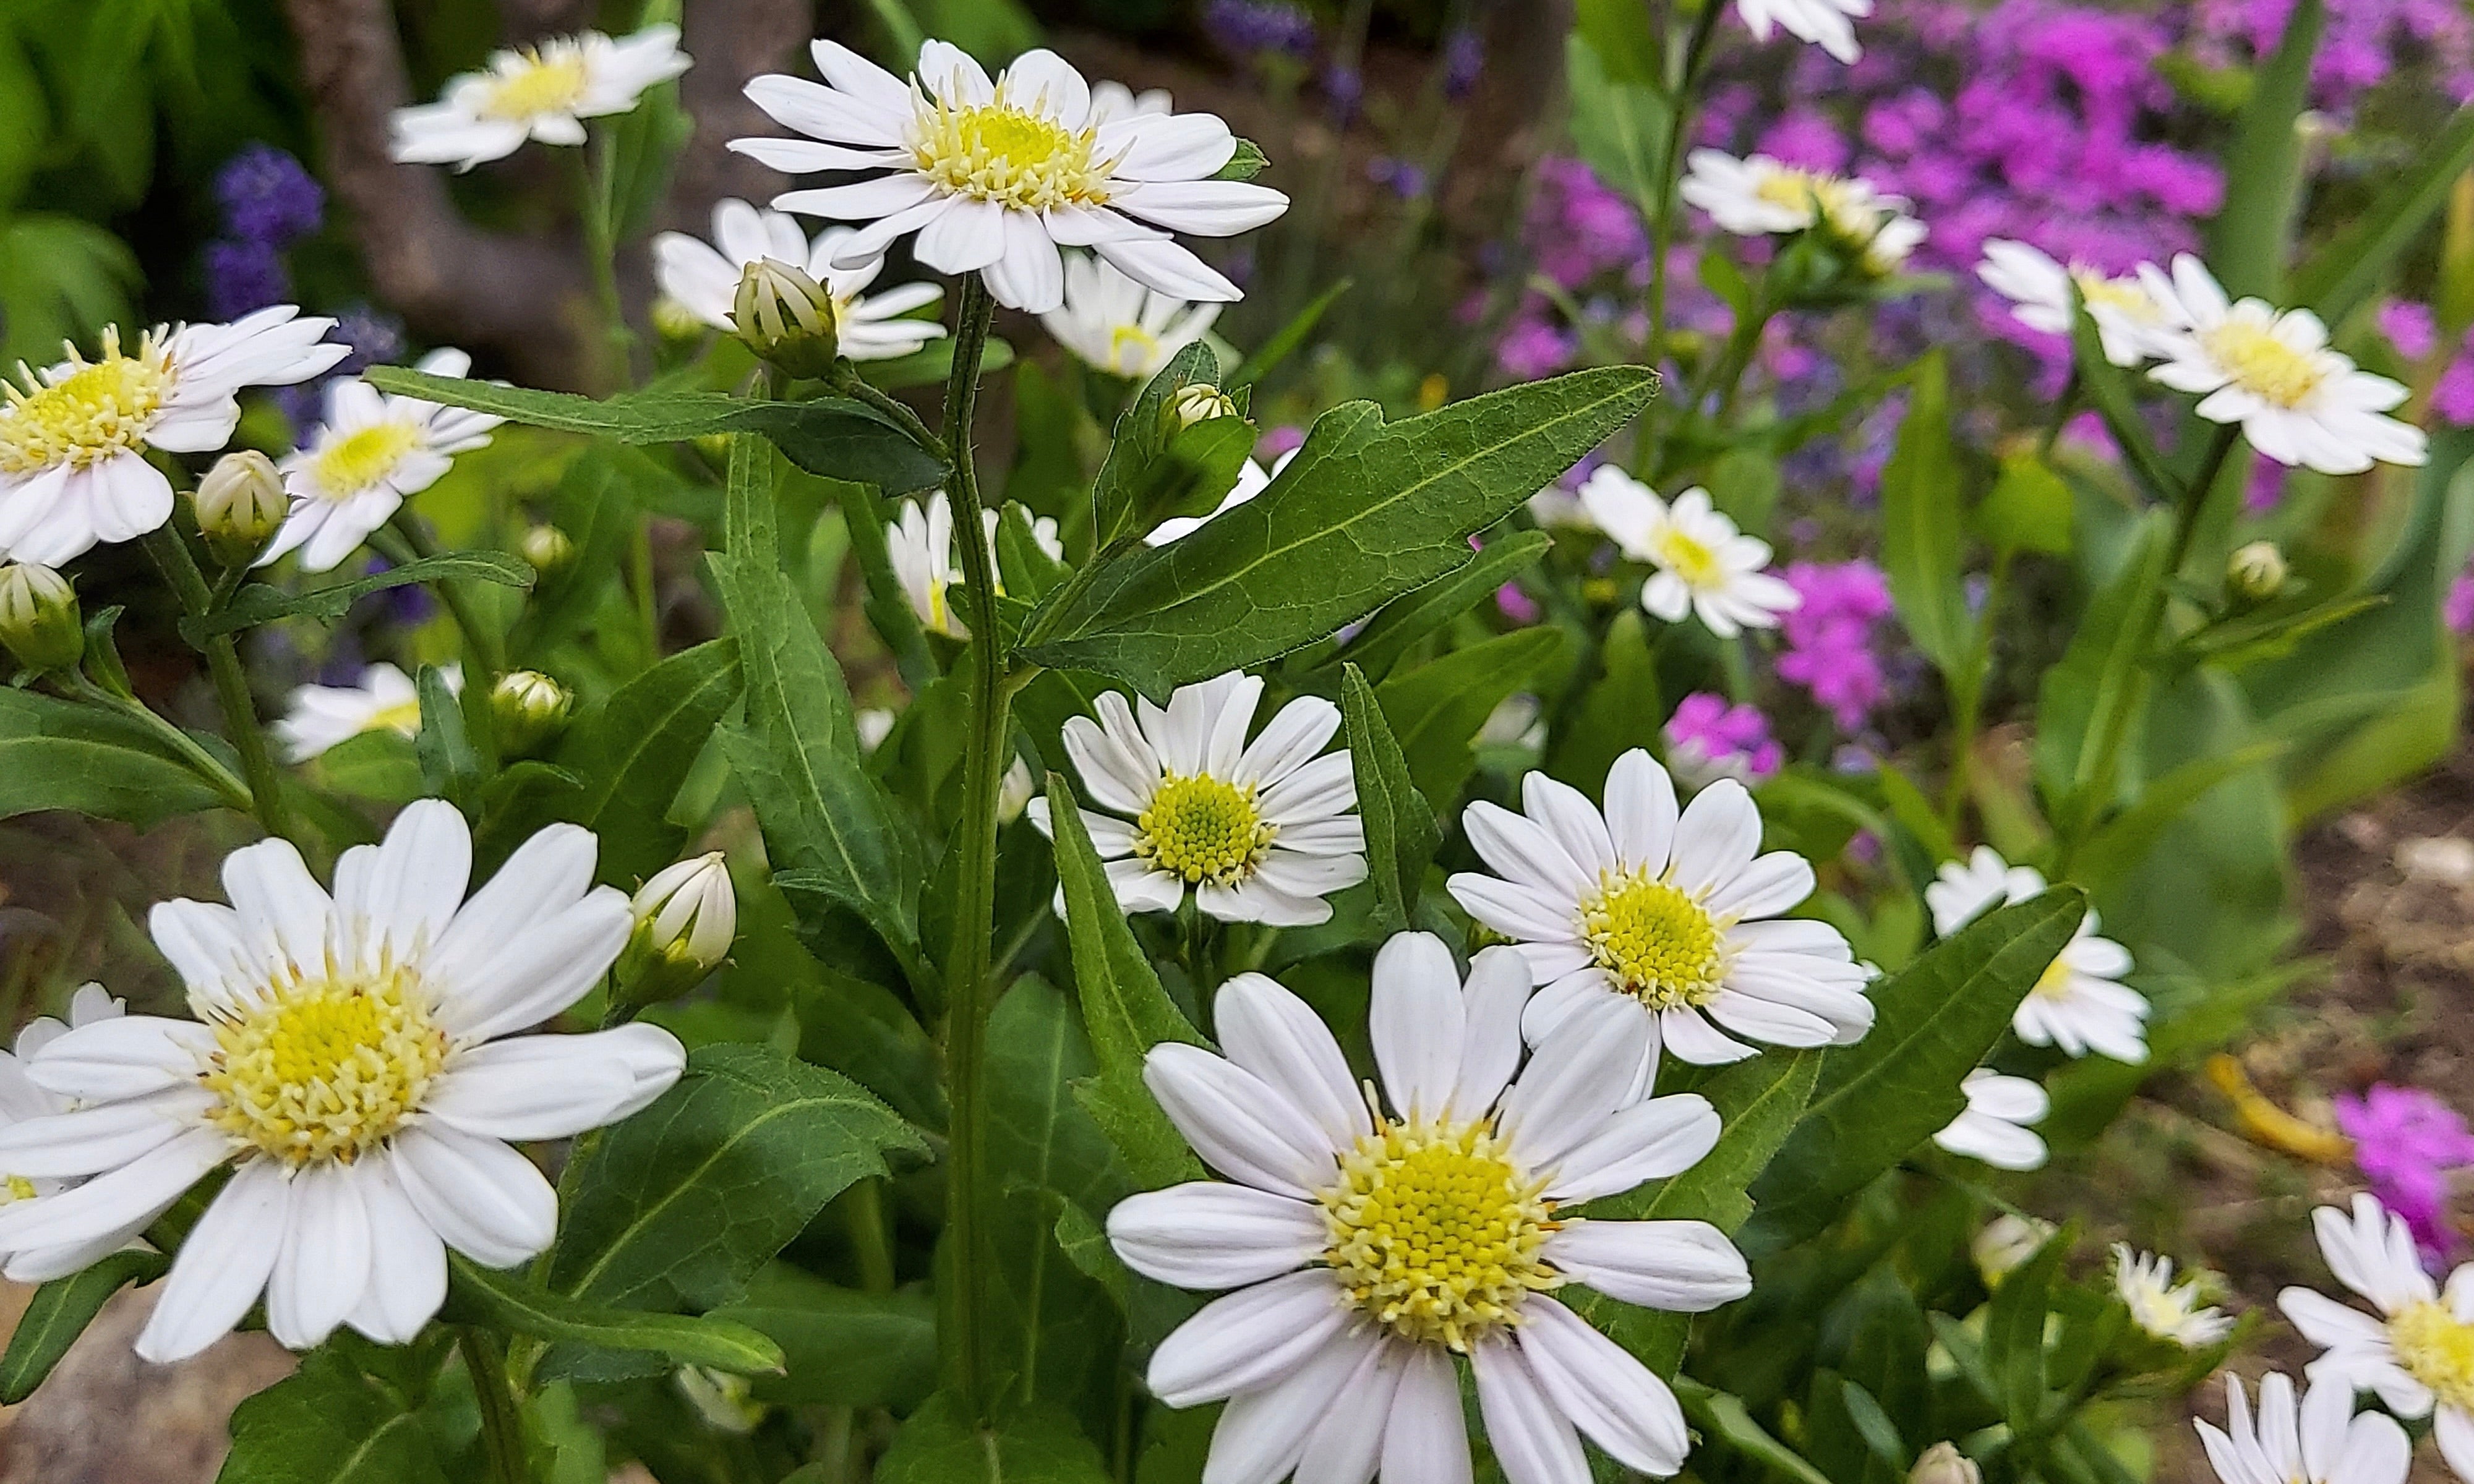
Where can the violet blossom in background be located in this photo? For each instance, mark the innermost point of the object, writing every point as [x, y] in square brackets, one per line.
[2457, 609]
[244, 276]
[1829, 637]
[2266, 487]
[1707, 740]
[1532, 349]
[1463, 59]
[2409, 325]
[1257, 27]
[268, 196]
[2406, 1141]
[1282, 438]
[1346, 87]
[1407, 178]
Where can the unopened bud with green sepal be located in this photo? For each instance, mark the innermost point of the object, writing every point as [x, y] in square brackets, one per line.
[547, 549]
[1199, 402]
[39, 618]
[530, 709]
[241, 505]
[786, 317]
[687, 918]
[2255, 573]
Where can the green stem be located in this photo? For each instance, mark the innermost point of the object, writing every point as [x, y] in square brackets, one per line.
[171, 554]
[967, 959]
[849, 383]
[601, 247]
[648, 605]
[205, 764]
[1967, 698]
[502, 1422]
[1681, 81]
[863, 1210]
[482, 644]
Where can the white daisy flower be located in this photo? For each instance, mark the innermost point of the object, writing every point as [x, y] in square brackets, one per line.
[920, 546]
[1705, 566]
[1252, 479]
[347, 1060]
[539, 92]
[2006, 1241]
[374, 452]
[386, 699]
[1114, 324]
[996, 176]
[2298, 402]
[2417, 1352]
[74, 439]
[1335, 1350]
[2163, 1310]
[1260, 833]
[1111, 100]
[1829, 24]
[703, 279]
[1995, 1127]
[2079, 1003]
[1676, 916]
[20, 1100]
[1759, 196]
[2317, 1440]
[2128, 318]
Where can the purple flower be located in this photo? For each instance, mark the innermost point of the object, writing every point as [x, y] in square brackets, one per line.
[1253, 27]
[2453, 397]
[1279, 440]
[244, 275]
[2406, 1141]
[1344, 87]
[2410, 327]
[2267, 487]
[2457, 609]
[1829, 637]
[1532, 349]
[1463, 59]
[1707, 740]
[267, 197]
[1407, 178]
[1515, 605]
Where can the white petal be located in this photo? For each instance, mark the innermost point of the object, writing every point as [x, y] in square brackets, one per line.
[1530, 1437]
[1716, 837]
[546, 874]
[1649, 1141]
[484, 1199]
[1497, 994]
[103, 1137]
[1263, 1433]
[1237, 1122]
[1575, 1081]
[1611, 1397]
[123, 1058]
[403, 893]
[1680, 1266]
[1247, 1339]
[1208, 1234]
[547, 967]
[1269, 1032]
[278, 901]
[538, 1087]
[324, 1266]
[1566, 813]
[1348, 1444]
[222, 1267]
[407, 1261]
[129, 1197]
[1416, 1020]
[1424, 1439]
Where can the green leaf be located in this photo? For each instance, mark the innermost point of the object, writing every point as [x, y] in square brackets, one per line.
[1362, 514]
[598, 505]
[932, 365]
[1248, 162]
[2247, 241]
[330, 1423]
[1148, 477]
[450, 765]
[678, 1206]
[61, 754]
[1438, 708]
[844, 1347]
[888, 607]
[2014, 1331]
[832, 436]
[1285, 342]
[1728, 1422]
[1879, 1099]
[1622, 709]
[510, 1303]
[1922, 520]
[1619, 128]
[2101, 672]
[2030, 509]
[1617, 32]
[2345, 270]
[1024, 566]
[1401, 833]
[58, 1313]
[258, 603]
[2108, 389]
[2113, 853]
[939, 1446]
[1406, 621]
[1123, 1006]
[2274, 632]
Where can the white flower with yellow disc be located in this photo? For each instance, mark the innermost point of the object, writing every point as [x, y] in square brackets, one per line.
[354, 1058]
[919, 546]
[995, 176]
[322, 716]
[1673, 915]
[20, 1100]
[74, 437]
[1369, 1244]
[1259, 832]
[2417, 1350]
[2162, 1308]
[2044, 295]
[2079, 1003]
[2297, 401]
[1705, 564]
[702, 278]
[374, 452]
[1113, 324]
[541, 92]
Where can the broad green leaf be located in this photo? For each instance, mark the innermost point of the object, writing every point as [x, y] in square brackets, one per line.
[61, 754]
[511, 1304]
[258, 603]
[2029, 508]
[62, 278]
[1728, 1422]
[2247, 241]
[939, 1446]
[330, 1423]
[58, 1313]
[1622, 709]
[377, 765]
[1438, 708]
[1024, 566]
[832, 436]
[2115, 851]
[1879, 1099]
[1363, 514]
[1123, 1006]
[844, 1347]
[678, 1206]
[1148, 476]
[1618, 32]
[2336, 280]
[1922, 520]
[1406, 621]
[1619, 128]
[888, 607]
[452, 766]
[2100, 673]
[1401, 833]
[2274, 632]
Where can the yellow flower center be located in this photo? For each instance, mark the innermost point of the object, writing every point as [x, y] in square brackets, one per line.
[537, 84]
[2262, 365]
[348, 465]
[404, 716]
[1019, 159]
[324, 1069]
[1202, 829]
[95, 410]
[2124, 295]
[1693, 561]
[1660, 945]
[1130, 349]
[2054, 983]
[19, 1188]
[1434, 1231]
[2438, 1349]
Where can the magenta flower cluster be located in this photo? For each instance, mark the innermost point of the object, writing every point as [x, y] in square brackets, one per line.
[1829, 640]
[1706, 738]
[2406, 1143]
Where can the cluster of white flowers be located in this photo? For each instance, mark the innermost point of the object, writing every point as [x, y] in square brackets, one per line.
[1758, 197]
[919, 544]
[1706, 566]
[2080, 1003]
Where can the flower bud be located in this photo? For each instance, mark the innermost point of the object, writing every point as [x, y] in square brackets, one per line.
[547, 549]
[530, 709]
[241, 505]
[1944, 1464]
[1200, 402]
[1015, 792]
[786, 317]
[39, 618]
[2255, 573]
[687, 918]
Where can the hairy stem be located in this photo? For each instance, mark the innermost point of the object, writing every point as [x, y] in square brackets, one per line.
[170, 555]
[502, 1422]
